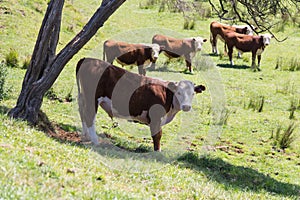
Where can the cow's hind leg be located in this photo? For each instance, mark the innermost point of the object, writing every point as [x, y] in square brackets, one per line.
[213, 41]
[88, 114]
[85, 132]
[230, 52]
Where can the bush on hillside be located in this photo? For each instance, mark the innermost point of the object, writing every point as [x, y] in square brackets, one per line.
[11, 58]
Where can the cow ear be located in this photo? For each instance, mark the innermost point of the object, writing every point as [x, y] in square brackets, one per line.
[199, 88]
[172, 86]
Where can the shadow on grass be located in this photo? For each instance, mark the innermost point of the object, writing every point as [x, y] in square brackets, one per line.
[233, 66]
[4, 110]
[211, 54]
[231, 176]
[238, 176]
[166, 68]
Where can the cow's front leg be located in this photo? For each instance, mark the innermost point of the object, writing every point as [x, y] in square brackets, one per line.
[156, 134]
[142, 70]
[155, 113]
[258, 60]
[156, 140]
[230, 52]
[253, 66]
[188, 63]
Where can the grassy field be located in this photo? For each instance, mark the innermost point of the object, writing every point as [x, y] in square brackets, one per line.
[200, 158]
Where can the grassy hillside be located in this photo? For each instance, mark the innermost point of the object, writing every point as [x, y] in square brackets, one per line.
[200, 159]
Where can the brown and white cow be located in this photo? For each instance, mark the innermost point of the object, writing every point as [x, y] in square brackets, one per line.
[174, 48]
[247, 43]
[130, 54]
[218, 30]
[129, 95]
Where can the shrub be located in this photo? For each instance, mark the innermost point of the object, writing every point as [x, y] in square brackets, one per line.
[26, 62]
[69, 96]
[12, 58]
[283, 139]
[51, 95]
[3, 74]
[148, 4]
[188, 24]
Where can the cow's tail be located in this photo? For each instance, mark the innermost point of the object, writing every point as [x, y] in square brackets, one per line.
[77, 75]
[104, 50]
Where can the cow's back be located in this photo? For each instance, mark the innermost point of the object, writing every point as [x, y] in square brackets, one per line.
[245, 43]
[173, 46]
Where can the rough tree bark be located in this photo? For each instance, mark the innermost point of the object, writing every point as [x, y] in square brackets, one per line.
[46, 65]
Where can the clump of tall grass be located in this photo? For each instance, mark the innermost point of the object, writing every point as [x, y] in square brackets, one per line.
[284, 138]
[51, 95]
[223, 117]
[295, 105]
[286, 88]
[11, 59]
[256, 103]
[189, 24]
[292, 64]
[148, 4]
[3, 75]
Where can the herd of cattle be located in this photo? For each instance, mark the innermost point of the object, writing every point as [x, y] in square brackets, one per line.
[147, 100]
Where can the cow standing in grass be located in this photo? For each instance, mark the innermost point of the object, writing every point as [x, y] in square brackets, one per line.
[247, 43]
[174, 48]
[131, 96]
[131, 54]
[218, 31]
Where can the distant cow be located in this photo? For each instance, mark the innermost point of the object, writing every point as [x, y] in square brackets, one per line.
[247, 43]
[174, 48]
[218, 30]
[131, 96]
[130, 54]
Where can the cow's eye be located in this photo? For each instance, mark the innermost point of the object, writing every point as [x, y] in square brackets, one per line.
[178, 93]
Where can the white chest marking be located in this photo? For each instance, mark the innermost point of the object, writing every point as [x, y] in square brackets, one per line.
[168, 117]
[259, 51]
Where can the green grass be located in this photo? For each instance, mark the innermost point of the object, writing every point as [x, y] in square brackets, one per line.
[242, 163]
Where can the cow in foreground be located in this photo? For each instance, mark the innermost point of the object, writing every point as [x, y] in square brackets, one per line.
[130, 54]
[218, 31]
[131, 96]
[247, 43]
[174, 48]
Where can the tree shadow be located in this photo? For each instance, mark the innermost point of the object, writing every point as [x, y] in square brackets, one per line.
[238, 177]
[233, 66]
[227, 174]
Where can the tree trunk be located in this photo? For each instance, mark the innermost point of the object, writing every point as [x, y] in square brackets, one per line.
[45, 65]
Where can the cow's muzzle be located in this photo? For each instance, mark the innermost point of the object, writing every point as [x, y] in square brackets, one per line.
[186, 108]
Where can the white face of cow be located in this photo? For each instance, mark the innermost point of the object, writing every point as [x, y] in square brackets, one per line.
[199, 42]
[155, 51]
[266, 39]
[184, 93]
